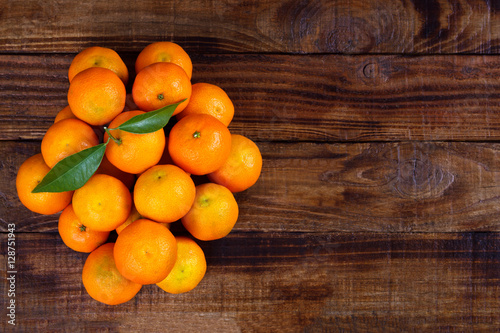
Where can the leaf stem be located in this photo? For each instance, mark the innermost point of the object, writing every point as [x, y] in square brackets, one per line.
[117, 141]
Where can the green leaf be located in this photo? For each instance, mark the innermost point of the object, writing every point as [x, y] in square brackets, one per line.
[72, 172]
[149, 122]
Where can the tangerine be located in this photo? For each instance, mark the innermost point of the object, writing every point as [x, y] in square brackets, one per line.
[104, 202]
[199, 144]
[209, 99]
[135, 152]
[102, 280]
[132, 217]
[106, 167]
[164, 52]
[30, 174]
[189, 269]
[161, 84]
[242, 168]
[96, 95]
[97, 56]
[164, 193]
[213, 214]
[67, 137]
[76, 235]
[65, 113]
[145, 252]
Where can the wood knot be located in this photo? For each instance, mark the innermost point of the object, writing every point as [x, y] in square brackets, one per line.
[374, 71]
[468, 72]
[416, 172]
[348, 37]
[371, 70]
[420, 179]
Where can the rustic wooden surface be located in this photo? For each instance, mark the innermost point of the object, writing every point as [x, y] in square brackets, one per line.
[378, 205]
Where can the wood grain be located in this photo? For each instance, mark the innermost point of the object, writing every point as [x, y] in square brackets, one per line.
[357, 26]
[318, 187]
[282, 282]
[378, 205]
[311, 98]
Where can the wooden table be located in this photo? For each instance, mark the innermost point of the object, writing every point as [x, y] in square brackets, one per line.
[378, 205]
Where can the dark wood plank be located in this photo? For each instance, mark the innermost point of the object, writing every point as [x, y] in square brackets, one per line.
[395, 26]
[282, 282]
[299, 98]
[317, 187]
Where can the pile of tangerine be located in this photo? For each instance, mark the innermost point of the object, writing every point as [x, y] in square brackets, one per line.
[144, 182]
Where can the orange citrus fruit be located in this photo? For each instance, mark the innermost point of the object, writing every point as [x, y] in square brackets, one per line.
[96, 95]
[214, 212]
[67, 137]
[97, 56]
[164, 52]
[132, 217]
[161, 84]
[199, 143]
[103, 203]
[76, 235]
[107, 168]
[243, 166]
[65, 113]
[189, 268]
[29, 175]
[164, 193]
[209, 99]
[145, 252]
[136, 152]
[103, 281]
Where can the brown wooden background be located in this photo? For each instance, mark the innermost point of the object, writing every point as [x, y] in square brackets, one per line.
[379, 123]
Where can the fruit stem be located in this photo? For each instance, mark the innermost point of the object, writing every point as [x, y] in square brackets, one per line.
[196, 135]
[117, 141]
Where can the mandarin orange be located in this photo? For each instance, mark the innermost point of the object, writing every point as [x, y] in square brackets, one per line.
[65, 113]
[96, 95]
[199, 144]
[243, 166]
[145, 252]
[104, 202]
[102, 280]
[164, 52]
[213, 214]
[107, 168]
[76, 235]
[189, 269]
[97, 56]
[209, 99]
[136, 152]
[132, 217]
[161, 84]
[30, 174]
[164, 193]
[67, 137]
